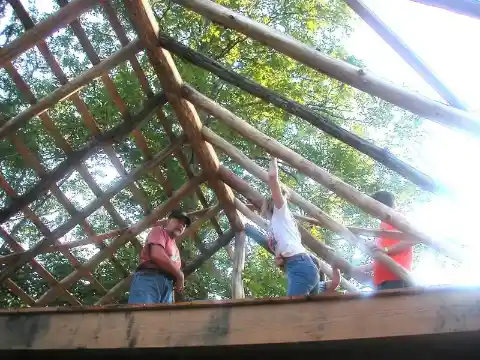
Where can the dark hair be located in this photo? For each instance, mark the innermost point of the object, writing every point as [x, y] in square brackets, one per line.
[385, 197]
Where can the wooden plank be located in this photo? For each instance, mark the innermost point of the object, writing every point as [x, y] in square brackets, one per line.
[404, 51]
[464, 7]
[147, 27]
[44, 29]
[331, 182]
[246, 322]
[70, 88]
[321, 122]
[337, 69]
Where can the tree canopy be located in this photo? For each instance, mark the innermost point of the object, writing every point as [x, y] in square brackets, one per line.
[325, 25]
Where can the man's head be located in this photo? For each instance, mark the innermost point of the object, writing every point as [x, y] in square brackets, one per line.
[177, 222]
[385, 197]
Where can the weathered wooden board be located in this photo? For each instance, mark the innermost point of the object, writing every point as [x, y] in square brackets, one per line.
[244, 322]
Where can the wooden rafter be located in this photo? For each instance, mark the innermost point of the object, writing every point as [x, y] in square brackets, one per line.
[321, 122]
[147, 28]
[331, 182]
[337, 69]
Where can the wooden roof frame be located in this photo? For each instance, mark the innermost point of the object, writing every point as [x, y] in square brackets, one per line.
[184, 100]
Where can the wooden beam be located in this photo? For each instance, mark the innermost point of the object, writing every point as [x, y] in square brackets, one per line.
[222, 241]
[88, 210]
[404, 51]
[262, 223]
[191, 267]
[321, 122]
[70, 88]
[464, 7]
[44, 29]
[394, 315]
[238, 291]
[147, 27]
[331, 182]
[337, 69]
[134, 230]
[319, 248]
[76, 157]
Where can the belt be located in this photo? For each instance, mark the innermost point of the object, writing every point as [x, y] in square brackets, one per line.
[301, 256]
[153, 271]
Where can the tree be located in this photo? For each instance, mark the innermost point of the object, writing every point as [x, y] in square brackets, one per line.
[325, 25]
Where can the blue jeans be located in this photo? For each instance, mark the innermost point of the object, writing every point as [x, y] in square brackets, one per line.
[150, 288]
[302, 275]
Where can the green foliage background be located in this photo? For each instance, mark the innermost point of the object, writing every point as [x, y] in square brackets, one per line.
[325, 25]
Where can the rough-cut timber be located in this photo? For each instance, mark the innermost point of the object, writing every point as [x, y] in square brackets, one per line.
[247, 322]
[405, 52]
[44, 29]
[88, 210]
[74, 158]
[337, 69]
[70, 88]
[321, 122]
[147, 28]
[319, 248]
[320, 175]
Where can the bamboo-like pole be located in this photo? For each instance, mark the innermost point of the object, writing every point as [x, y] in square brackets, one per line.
[464, 7]
[222, 241]
[319, 248]
[146, 26]
[76, 157]
[134, 230]
[238, 291]
[337, 69]
[319, 121]
[88, 210]
[5, 259]
[331, 182]
[306, 205]
[407, 54]
[70, 88]
[262, 223]
[44, 29]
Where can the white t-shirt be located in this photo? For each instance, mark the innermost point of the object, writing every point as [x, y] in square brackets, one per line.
[283, 235]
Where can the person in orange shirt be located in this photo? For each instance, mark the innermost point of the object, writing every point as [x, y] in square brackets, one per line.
[400, 251]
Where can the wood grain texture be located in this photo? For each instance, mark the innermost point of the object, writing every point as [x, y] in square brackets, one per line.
[315, 172]
[145, 24]
[273, 321]
[44, 29]
[337, 69]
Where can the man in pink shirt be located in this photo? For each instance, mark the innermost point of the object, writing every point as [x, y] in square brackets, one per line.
[159, 270]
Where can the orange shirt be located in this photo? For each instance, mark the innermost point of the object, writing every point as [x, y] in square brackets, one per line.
[380, 272]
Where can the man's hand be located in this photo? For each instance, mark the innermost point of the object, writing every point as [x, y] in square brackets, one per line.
[179, 281]
[279, 261]
[335, 279]
[273, 170]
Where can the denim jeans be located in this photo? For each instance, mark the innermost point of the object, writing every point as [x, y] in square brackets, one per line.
[150, 288]
[302, 275]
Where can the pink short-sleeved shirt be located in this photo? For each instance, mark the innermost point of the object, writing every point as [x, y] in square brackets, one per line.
[159, 236]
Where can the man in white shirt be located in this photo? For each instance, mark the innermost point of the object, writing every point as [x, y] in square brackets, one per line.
[285, 241]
